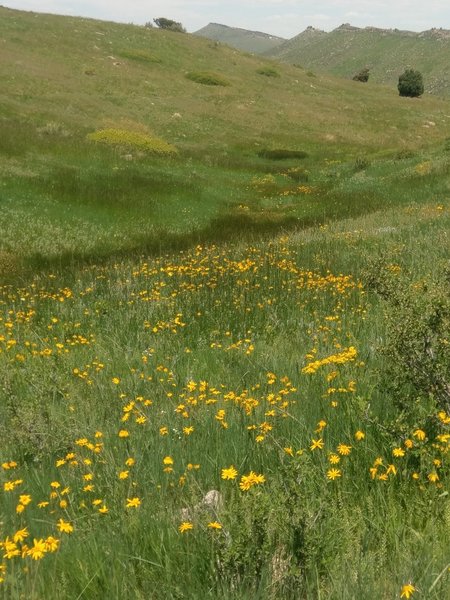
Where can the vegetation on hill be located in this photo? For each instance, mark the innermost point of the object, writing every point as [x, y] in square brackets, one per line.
[386, 52]
[223, 324]
[410, 84]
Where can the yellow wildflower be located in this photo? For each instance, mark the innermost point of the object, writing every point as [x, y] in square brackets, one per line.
[51, 544]
[185, 526]
[344, 449]
[64, 526]
[133, 502]
[38, 549]
[398, 452]
[230, 473]
[333, 474]
[20, 535]
[248, 481]
[317, 444]
[407, 591]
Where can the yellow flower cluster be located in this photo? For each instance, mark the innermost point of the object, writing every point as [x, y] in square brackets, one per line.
[132, 140]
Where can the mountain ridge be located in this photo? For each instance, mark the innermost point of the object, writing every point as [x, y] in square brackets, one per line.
[387, 52]
[247, 40]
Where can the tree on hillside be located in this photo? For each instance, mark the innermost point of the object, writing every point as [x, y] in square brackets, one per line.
[363, 75]
[170, 25]
[410, 84]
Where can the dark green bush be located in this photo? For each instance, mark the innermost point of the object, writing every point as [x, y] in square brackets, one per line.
[363, 75]
[170, 25]
[139, 55]
[281, 154]
[410, 84]
[207, 78]
[361, 163]
[418, 332]
[268, 72]
[404, 154]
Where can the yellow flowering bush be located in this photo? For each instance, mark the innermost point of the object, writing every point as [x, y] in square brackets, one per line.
[133, 140]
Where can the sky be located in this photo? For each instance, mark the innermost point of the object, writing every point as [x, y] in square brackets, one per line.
[285, 18]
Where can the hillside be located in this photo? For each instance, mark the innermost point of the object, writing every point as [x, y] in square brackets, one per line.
[347, 49]
[243, 39]
[84, 73]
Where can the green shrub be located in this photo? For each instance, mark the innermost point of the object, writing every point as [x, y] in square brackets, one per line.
[268, 72]
[139, 55]
[410, 84]
[281, 154]
[404, 154]
[132, 140]
[361, 163]
[362, 76]
[8, 264]
[207, 78]
[169, 25]
[417, 315]
[297, 174]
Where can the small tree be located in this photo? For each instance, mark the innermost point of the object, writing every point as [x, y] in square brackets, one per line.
[170, 25]
[363, 75]
[410, 84]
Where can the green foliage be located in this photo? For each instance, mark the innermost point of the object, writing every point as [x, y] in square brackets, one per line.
[298, 174]
[132, 140]
[282, 154]
[361, 163]
[268, 71]
[139, 55]
[169, 25]
[404, 154]
[418, 335]
[410, 84]
[362, 75]
[207, 78]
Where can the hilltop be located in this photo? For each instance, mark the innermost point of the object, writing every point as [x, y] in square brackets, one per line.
[387, 52]
[243, 39]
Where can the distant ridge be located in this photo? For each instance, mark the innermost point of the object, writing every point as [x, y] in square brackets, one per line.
[387, 52]
[242, 39]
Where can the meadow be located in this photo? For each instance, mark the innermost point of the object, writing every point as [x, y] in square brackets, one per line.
[224, 341]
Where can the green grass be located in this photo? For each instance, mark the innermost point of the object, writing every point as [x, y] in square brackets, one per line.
[210, 303]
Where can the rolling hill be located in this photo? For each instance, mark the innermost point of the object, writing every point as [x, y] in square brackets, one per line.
[243, 39]
[387, 52]
[84, 73]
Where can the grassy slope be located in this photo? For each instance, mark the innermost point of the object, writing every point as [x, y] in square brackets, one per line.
[132, 288]
[64, 77]
[40, 52]
[345, 53]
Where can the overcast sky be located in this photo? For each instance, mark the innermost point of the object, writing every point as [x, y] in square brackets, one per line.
[285, 18]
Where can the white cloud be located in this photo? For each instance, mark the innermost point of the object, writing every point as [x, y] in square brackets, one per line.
[280, 17]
